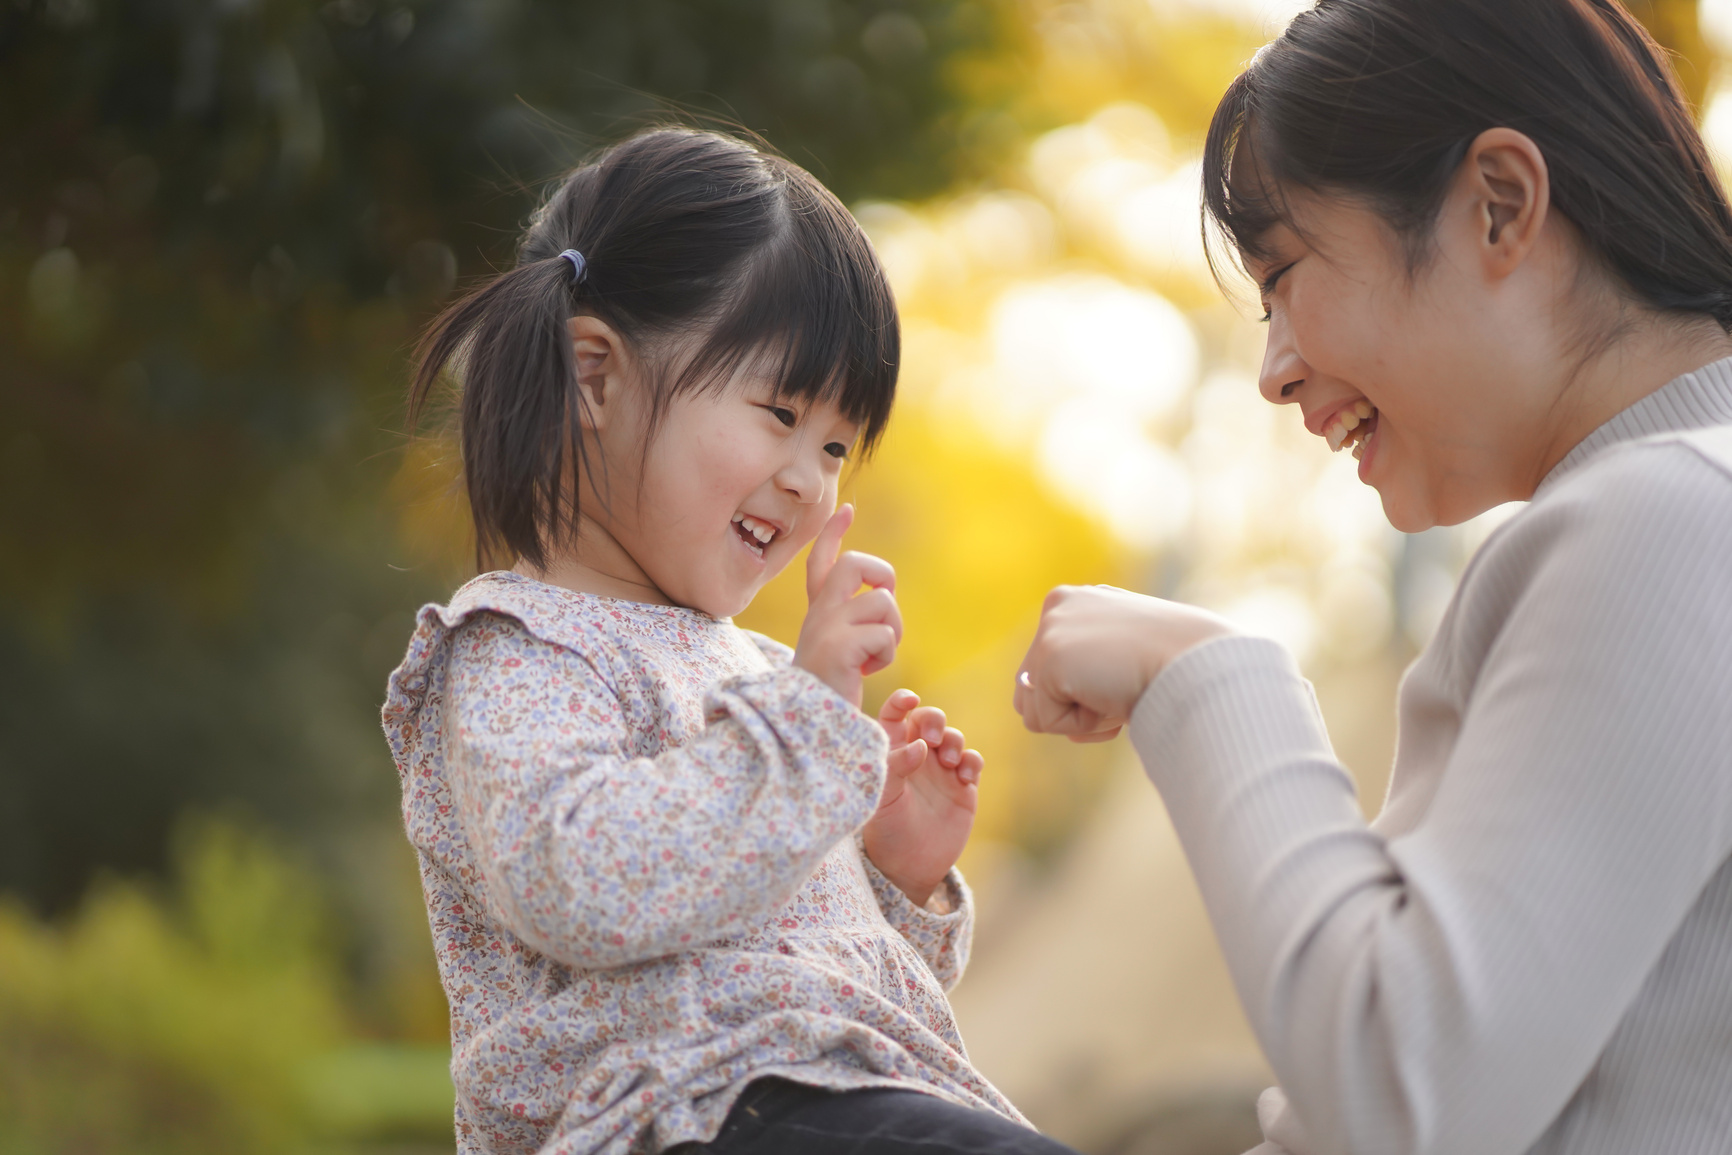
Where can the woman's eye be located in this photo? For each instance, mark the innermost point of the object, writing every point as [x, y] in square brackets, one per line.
[786, 416]
[836, 449]
[1267, 288]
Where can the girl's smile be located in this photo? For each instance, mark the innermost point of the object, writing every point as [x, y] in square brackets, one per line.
[734, 485]
[701, 510]
[756, 533]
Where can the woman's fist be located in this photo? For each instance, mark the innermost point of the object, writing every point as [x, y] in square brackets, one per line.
[1096, 651]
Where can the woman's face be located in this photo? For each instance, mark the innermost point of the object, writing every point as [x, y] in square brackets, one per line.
[1438, 378]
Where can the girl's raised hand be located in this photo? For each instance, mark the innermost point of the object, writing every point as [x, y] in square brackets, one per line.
[930, 791]
[849, 632]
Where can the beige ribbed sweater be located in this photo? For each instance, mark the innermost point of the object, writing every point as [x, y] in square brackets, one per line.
[1530, 948]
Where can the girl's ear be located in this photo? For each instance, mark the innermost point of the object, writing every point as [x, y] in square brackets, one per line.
[598, 359]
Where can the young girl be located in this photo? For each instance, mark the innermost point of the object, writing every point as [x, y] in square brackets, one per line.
[678, 883]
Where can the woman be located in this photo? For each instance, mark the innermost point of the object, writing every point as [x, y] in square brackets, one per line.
[1493, 254]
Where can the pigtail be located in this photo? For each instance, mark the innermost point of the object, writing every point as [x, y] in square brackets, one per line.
[696, 237]
[507, 342]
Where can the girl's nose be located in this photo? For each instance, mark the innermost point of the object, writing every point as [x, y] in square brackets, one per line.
[802, 477]
[1284, 371]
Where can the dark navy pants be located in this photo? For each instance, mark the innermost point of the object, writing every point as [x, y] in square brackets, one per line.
[776, 1117]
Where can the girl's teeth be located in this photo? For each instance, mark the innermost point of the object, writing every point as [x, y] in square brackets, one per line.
[755, 527]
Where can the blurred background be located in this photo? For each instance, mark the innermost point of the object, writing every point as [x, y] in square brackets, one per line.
[222, 223]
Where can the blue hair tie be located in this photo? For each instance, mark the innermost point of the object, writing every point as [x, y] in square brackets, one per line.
[579, 266]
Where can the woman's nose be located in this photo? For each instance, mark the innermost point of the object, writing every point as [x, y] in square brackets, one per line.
[1284, 371]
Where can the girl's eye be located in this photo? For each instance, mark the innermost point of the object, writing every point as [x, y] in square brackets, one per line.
[786, 416]
[836, 449]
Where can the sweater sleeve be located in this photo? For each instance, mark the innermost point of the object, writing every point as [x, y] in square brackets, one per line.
[1448, 990]
[598, 858]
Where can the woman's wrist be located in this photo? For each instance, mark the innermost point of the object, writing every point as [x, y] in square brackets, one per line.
[1168, 636]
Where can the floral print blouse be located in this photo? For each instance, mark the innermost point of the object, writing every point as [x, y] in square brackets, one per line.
[637, 829]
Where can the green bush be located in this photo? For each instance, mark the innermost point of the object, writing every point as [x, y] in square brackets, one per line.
[211, 1020]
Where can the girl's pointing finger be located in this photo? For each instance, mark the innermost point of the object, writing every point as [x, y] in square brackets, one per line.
[822, 559]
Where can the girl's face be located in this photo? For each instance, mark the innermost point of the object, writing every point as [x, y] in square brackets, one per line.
[736, 484]
[1448, 380]
[733, 485]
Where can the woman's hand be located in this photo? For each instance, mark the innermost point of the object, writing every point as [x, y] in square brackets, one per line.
[930, 790]
[849, 632]
[1096, 651]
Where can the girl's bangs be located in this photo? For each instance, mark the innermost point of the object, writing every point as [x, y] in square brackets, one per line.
[815, 312]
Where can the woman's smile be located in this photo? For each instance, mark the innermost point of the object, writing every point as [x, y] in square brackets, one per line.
[1344, 425]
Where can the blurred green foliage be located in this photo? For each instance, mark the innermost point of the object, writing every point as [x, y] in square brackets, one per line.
[221, 222]
[206, 1016]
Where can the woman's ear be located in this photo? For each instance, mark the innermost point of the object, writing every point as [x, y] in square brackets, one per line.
[598, 358]
[1508, 189]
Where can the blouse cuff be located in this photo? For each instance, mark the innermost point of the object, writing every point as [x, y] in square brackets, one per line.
[942, 939]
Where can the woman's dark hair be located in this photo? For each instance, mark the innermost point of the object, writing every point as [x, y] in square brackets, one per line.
[1380, 99]
[683, 233]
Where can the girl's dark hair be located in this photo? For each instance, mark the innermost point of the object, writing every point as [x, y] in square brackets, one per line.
[684, 233]
[1380, 99]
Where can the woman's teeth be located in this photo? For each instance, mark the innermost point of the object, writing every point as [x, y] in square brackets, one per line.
[1350, 427]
